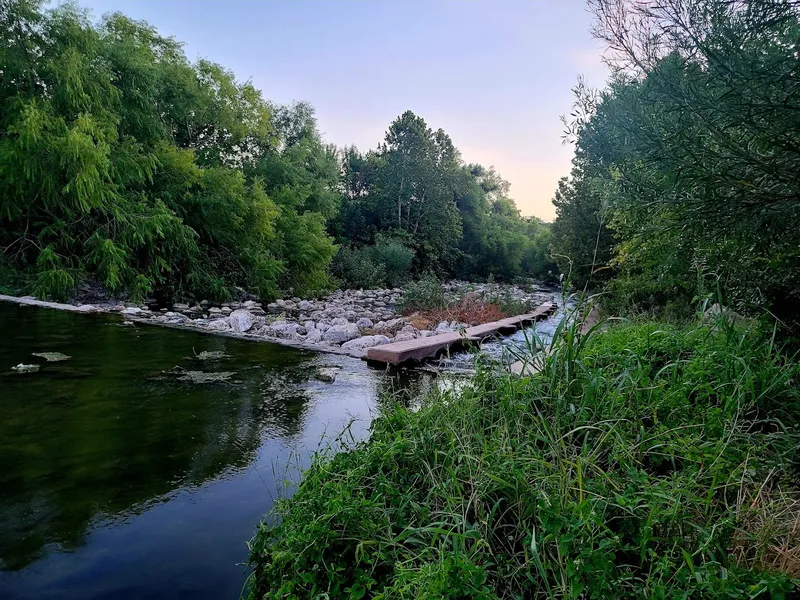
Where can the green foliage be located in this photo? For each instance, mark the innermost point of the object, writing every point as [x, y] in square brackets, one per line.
[424, 294]
[689, 156]
[386, 263]
[457, 218]
[120, 161]
[626, 468]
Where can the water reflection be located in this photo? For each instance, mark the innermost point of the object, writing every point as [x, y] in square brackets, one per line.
[120, 481]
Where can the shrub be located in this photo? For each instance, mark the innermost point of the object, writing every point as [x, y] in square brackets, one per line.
[395, 258]
[425, 294]
[386, 263]
[644, 462]
[356, 269]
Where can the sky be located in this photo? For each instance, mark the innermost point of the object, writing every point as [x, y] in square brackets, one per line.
[494, 74]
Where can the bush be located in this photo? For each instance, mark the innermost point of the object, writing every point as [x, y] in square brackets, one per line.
[387, 263]
[644, 462]
[395, 258]
[425, 294]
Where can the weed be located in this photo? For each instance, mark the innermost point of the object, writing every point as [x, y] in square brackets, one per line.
[633, 465]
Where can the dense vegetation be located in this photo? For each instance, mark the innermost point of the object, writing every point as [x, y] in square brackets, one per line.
[685, 176]
[123, 163]
[644, 462]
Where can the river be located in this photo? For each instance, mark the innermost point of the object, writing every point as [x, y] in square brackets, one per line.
[118, 480]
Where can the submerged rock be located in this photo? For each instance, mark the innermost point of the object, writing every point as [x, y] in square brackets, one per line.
[212, 355]
[52, 356]
[22, 368]
[200, 376]
[326, 374]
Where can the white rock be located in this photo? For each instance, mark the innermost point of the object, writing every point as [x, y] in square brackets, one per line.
[309, 325]
[241, 320]
[367, 341]
[423, 333]
[443, 327]
[249, 304]
[339, 321]
[364, 323]
[285, 330]
[305, 305]
[404, 337]
[314, 336]
[219, 325]
[131, 311]
[341, 333]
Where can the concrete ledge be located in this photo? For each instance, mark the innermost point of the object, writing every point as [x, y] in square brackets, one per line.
[30, 301]
[424, 348]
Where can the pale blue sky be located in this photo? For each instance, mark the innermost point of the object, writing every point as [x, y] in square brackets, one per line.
[495, 75]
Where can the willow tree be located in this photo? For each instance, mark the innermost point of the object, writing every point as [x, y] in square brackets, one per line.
[122, 162]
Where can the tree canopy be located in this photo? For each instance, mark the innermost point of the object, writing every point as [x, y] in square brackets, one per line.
[689, 156]
[124, 163]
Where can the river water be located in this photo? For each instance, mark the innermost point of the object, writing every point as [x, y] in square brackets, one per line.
[120, 481]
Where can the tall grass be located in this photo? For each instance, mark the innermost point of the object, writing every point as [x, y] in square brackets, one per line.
[644, 461]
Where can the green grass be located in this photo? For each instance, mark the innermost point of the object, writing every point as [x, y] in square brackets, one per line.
[647, 461]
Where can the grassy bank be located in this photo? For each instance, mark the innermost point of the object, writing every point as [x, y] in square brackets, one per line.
[645, 461]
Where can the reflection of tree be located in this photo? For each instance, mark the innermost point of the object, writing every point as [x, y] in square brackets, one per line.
[106, 445]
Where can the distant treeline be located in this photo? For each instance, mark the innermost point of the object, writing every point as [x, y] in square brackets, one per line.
[685, 182]
[124, 164]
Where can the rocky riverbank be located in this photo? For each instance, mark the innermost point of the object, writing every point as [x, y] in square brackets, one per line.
[346, 321]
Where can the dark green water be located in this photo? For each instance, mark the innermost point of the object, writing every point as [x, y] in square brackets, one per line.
[117, 481]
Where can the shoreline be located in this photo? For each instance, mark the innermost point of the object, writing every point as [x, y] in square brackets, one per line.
[87, 309]
[348, 317]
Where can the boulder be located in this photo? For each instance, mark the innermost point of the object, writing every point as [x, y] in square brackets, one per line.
[131, 311]
[364, 323]
[339, 334]
[314, 336]
[339, 321]
[285, 330]
[404, 337]
[367, 341]
[219, 325]
[443, 327]
[241, 320]
[305, 305]
[173, 317]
